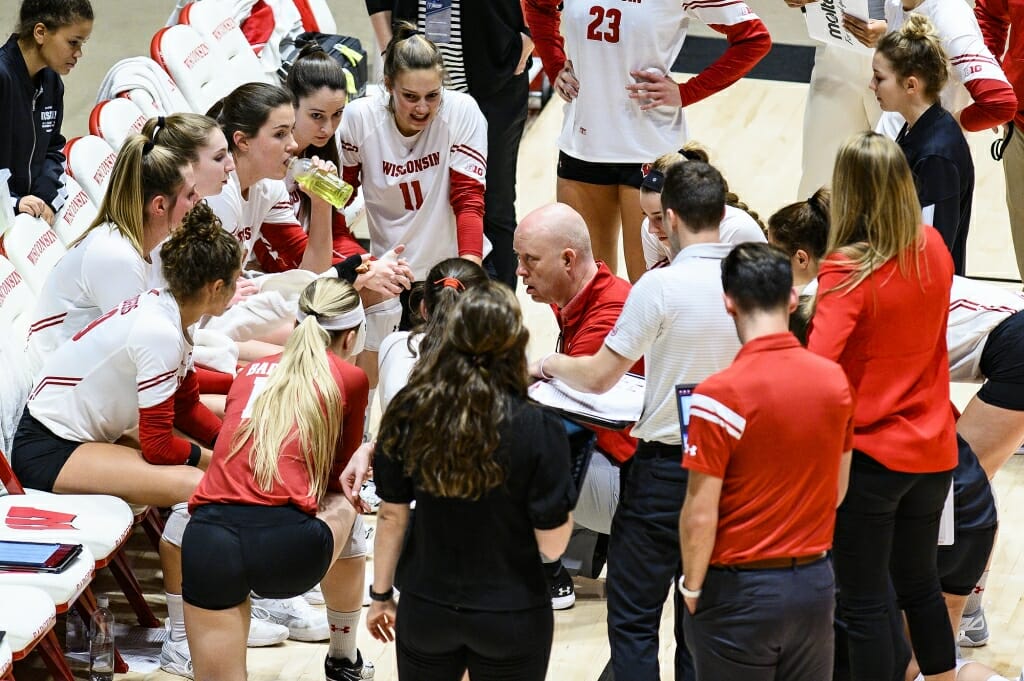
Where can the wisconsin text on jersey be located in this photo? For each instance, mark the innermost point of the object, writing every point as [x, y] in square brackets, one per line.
[413, 166]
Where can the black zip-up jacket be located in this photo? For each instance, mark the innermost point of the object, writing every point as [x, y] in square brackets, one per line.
[31, 113]
[491, 44]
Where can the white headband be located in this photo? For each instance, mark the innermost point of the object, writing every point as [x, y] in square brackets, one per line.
[342, 322]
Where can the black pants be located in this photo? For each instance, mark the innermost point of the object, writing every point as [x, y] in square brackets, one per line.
[644, 563]
[438, 643]
[888, 524]
[764, 625]
[505, 112]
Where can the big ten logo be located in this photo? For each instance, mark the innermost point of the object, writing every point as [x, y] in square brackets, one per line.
[243, 234]
[475, 169]
[976, 68]
[104, 169]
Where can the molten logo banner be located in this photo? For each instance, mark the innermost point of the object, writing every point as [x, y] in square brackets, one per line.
[825, 22]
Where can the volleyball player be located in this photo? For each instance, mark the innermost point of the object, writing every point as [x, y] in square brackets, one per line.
[612, 67]
[293, 422]
[111, 260]
[739, 224]
[131, 367]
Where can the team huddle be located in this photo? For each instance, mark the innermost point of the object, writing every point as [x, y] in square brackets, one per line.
[216, 340]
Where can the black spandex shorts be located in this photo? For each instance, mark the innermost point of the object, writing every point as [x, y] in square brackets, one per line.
[39, 455]
[229, 550]
[1002, 364]
[962, 564]
[571, 168]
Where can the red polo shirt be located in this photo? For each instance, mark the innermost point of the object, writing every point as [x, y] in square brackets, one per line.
[889, 335]
[773, 427]
[583, 324]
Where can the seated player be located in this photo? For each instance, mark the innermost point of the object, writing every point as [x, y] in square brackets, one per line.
[293, 422]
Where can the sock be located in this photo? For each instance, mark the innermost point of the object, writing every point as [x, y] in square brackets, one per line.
[176, 615]
[974, 600]
[343, 634]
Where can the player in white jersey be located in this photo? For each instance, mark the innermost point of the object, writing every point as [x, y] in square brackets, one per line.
[110, 262]
[132, 366]
[738, 224]
[418, 153]
[623, 109]
[257, 120]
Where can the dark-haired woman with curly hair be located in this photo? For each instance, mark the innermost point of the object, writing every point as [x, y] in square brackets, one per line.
[489, 474]
[132, 366]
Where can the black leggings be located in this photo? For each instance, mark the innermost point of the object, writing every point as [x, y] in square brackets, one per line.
[439, 643]
[889, 524]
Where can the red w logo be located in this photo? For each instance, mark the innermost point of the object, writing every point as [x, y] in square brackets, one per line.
[25, 518]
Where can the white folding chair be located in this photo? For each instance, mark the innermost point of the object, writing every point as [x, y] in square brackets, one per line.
[322, 14]
[146, 84]
[115, 119]
[215, 22]
[28, 617]
[76, 214]
[90, 160]
[16, 302]
[33, 248]
[201, 71]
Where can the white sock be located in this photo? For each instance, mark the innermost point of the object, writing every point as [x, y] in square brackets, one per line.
[176, 615]
[343, 634]
[974, 600]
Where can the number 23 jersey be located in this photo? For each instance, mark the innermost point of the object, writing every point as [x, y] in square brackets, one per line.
[407, 181]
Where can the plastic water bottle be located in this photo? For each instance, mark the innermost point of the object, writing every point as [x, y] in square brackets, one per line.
[76, 638]
[101, 650]
[328, 186]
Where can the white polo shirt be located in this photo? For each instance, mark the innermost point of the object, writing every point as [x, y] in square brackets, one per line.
[675, 318]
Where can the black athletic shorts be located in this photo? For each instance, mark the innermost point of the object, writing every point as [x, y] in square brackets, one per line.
[229, 550]
[962, 564]
[1002, 364]
[38, 454]
[571, 168]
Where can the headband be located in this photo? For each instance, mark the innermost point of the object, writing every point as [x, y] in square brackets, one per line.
[653, 181]
[451, 282]
[341, 322]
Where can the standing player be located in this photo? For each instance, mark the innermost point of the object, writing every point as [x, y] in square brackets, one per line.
[623, 108]
[418, 153]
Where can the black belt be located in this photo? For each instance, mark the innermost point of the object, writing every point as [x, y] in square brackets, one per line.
[773, 563]
[647, 449]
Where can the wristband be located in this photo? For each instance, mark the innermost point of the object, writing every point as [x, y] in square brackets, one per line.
[688, 593]
[195, 454]
[346, 269]
[382, 597]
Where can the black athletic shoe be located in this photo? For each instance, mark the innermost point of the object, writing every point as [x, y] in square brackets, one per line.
[340, 669]
[563, 595]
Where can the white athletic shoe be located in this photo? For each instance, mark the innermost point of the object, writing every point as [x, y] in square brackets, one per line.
[314, 596]
[973, 630]
[176, 659]
[263, 631]
[304, 622]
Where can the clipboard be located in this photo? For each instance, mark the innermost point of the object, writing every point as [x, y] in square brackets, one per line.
[617, 409]
[50, 557]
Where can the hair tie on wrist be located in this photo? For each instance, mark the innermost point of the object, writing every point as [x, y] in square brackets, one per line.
[451, 282]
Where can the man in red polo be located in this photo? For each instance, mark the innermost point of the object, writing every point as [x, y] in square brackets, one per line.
[557, 266]
[768, 454]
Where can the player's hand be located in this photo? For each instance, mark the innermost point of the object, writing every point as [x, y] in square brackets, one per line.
[867, 32]
[355, 473]
[380, 620]
[525, 55]
[475, 259]
[244, 288]
[36, 207]
[655, 88]
[566, 85]
[387, 276]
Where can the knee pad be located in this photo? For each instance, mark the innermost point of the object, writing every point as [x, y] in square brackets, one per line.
[174, 528]
[382, 319]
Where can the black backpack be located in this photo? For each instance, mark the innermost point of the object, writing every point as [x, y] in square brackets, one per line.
[346, 50]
